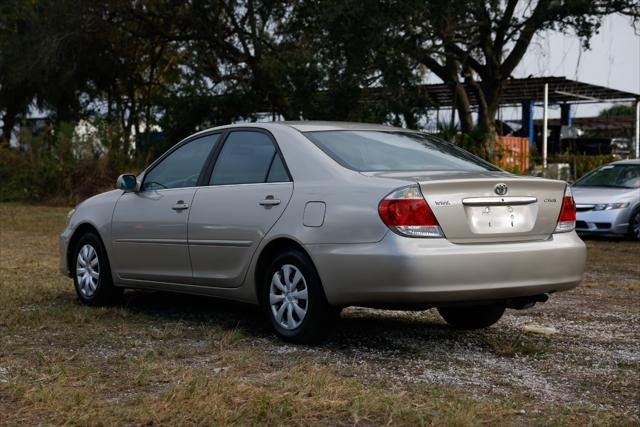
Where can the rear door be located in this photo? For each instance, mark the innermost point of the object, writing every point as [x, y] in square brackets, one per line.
[149, 227]
[247, 192]
[505, 209]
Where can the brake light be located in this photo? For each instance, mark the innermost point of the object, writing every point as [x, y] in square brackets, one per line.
[567, 217]
[406, 212]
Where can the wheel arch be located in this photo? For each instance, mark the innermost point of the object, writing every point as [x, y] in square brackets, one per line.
[269, 252]
[632, 213]
[80, 231]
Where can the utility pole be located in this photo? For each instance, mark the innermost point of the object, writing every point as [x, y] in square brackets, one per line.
[545, 116]
[638, 129]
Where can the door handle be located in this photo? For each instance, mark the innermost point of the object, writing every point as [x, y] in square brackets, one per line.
[180, 206]
[269, 201]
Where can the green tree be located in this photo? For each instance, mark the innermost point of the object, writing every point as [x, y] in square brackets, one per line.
[474, 46]
[618, 110]
[17, 89]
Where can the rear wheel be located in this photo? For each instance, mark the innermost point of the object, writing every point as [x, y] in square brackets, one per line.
[293, 299]
[92, 274]
[472, 317]
[634, 225]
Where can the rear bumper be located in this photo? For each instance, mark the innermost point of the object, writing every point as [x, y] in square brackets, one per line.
[400, 270]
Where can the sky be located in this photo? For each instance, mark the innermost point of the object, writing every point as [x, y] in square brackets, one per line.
[613, 61]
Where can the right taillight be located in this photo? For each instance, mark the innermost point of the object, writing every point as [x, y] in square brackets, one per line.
[567, 217]
[406, 212]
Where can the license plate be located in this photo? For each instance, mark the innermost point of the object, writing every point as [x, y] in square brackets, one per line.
[501, 219]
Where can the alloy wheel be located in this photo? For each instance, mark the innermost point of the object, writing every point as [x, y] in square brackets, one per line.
[288, 297]
[87, 270]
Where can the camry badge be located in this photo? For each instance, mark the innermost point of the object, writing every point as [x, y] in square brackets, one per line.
[501, 189]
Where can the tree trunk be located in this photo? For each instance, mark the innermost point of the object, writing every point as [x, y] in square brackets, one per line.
[488, 96]
[463, 106]
[410, 119]
[491, 95]
[460, 97]
[9, 121]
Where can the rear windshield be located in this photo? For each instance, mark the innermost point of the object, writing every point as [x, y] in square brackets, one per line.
[371, 151]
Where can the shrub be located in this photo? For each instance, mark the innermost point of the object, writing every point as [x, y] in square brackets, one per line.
[581, 164]
[58, 166]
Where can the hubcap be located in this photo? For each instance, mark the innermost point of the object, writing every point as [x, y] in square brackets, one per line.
[288, 297]
[636, 226]
[87, 270]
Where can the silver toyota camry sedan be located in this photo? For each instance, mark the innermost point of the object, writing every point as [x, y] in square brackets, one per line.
[608, 200]
[305, 218]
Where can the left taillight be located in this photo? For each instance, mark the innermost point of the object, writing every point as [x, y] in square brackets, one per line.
[567, 218]
[406, 212]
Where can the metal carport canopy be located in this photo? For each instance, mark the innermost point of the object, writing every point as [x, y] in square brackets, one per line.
[517, 91]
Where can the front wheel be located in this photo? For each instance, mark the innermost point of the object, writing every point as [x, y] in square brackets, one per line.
[92, 275]
[473, 317]
[293, 299]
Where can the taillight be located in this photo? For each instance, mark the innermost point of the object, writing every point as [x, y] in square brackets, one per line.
[406, 212]
[567, 217]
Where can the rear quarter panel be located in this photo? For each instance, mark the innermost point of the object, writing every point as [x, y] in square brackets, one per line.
[351, 199]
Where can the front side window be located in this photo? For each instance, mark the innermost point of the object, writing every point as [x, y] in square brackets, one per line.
[366, 151]
[181, 168]
[248, 158]
[613, 176]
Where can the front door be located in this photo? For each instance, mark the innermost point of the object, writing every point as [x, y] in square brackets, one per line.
[149, 227]
[247, 192]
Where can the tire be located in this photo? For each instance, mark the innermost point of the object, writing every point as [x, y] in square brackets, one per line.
[293, 318]
[92, 274]
[634, 225]
[473, 317]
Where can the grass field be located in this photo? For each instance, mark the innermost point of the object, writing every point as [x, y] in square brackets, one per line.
[172, 359]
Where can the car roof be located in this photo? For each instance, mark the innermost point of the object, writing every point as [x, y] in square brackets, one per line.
[310, 126]
[626, 162]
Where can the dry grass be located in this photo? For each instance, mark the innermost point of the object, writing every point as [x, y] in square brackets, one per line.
[167, 359]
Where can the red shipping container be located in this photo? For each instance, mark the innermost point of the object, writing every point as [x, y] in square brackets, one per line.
[512, 153]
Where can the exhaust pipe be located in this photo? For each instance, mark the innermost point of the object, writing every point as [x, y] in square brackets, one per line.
[520, 303]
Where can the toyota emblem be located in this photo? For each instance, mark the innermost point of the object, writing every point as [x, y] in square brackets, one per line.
[501, 189]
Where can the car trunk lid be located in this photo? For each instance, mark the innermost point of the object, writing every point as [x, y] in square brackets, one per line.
[490, 207]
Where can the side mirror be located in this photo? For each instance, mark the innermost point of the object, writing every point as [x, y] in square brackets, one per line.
[127, 182]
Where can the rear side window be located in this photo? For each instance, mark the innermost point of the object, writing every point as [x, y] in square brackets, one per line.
[277, 173]
[182, 167]
[395, 151]
[247, 158]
